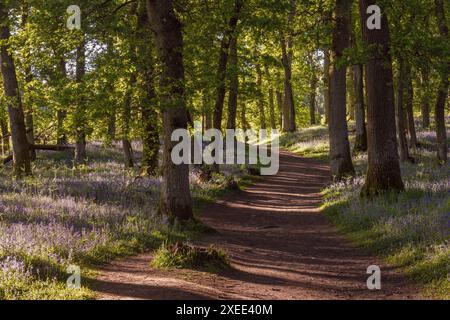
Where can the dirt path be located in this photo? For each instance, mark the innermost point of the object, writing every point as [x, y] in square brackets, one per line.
[280, 246]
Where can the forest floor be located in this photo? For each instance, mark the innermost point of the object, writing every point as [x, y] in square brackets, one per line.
[279, 245]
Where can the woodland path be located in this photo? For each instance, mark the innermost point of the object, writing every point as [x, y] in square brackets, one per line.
[280, 246]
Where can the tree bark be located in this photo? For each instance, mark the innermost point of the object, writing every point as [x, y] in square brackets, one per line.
[5, 136]
[80, 132]
[61, 114]
[326, 81]
[360, 112]
[222, 67]
[341, 161]
[244, 123]
[273, 124]
[401, 114]
[312, 100]
[383, 173]
[207, 110]
[287, 43]
[29, 123]
[439, 112]
[149, 113]
[280, 106]
[126, 117]
[175, 201]
[410, 111]
[20, 145]
[234, 84]
[262, 114]
[425, 103]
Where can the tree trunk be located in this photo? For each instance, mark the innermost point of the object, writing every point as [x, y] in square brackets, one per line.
[5, 136]
[287, 54]
[288, 101]
[360, 112]
[80, 121]
[341, 161]
[410, 111]
[280, 106]
[61, 114]
[439, 112]
[244, 123]
[262, 114]
[425, 108]
[29, 124]
[222, 67]
[207, 110]
[401, 114]
[126, 117]
[175, 201]
[383, 173]
[145, 66]
[234, 84]
[326, 89]
[273, 124]
[312, 100]
[20, 146]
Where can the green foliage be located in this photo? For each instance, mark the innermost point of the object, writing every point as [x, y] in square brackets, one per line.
[185, 256]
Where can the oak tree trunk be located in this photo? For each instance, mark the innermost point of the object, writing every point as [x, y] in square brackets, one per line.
[341, 161]
[175, 201]
[383, 172]
[149, 113]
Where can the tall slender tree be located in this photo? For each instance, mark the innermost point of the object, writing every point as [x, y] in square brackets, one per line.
[234, 84]
[80, 113]
[20, 145]
[360, 112]
[287, 52]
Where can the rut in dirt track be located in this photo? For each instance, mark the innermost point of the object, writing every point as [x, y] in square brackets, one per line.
[280, 247]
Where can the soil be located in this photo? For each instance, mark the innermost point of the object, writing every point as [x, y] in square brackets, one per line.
[279, 244]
